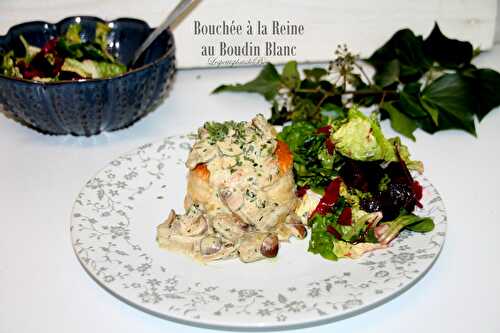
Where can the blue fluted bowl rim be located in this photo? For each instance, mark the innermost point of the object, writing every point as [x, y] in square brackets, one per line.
[56, 25]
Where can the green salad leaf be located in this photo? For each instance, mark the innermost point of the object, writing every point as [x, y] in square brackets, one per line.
[356, 140]
[106, 69]
[59, 56]
[93, 69]
[67, 49]
[83, 68]
[424, 225]
[30, 50]
[361, 139]
[7, 65]
[313, 165]
[409, 221]
[322, 240]
[72, 34]
[333, 240]
[101, 38]
[296, 134]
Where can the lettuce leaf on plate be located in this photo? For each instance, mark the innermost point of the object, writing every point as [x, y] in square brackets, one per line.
[361, 139]
[313, 165]
[332, 239]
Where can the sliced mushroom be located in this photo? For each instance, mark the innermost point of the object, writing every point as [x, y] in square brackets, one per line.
[262, 125]
[249, 247]
[170, 219]
[192, 226]
[176, 242]
[229, 226]
[226, 251]
[233, 199]
[270, 246]
[210, 244]
[258, 245]
[297, 228]
[228, 148]
[164, 230]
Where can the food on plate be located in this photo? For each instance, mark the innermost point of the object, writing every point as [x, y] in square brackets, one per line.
[356, 185]
[355, 192]
[241, 195]
[66, 57]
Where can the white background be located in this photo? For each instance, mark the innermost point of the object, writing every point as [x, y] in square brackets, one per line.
[43, 288]
[363, 24]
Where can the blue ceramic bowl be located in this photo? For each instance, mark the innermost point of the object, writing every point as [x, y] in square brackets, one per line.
[91, 106]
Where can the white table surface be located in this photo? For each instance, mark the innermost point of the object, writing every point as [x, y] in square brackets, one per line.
[43, 288]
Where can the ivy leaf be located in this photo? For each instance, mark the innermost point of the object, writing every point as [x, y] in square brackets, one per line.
[408, 49]
[399, 121]
[411, 105]
[278, 116]
[453, 97]
[267, 83]
[486, 83]
[387, 73]
[413, 88]
[432, 111]
[449, 53]
[290, 75]
[315, 74]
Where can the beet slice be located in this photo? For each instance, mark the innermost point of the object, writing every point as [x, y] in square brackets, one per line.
[364, 176]
[332, 231]
[345, 217]
[332, 193]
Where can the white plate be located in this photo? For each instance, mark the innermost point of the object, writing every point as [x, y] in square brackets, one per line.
[113, 231]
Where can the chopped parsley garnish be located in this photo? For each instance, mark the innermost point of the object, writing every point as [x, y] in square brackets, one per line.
[219, 131]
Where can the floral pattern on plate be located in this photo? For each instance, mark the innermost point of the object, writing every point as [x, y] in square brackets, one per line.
[113, 227]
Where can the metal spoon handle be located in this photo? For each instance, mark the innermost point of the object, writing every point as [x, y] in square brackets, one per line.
[178, 11]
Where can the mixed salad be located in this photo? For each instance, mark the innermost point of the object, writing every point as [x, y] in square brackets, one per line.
[357, 188]
[64, 58]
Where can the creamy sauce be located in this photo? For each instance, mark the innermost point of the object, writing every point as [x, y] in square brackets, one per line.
[240, 199]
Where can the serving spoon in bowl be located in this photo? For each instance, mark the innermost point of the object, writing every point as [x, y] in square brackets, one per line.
[178, 11]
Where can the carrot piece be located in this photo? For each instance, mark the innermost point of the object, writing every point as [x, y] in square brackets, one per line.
[202, 171]
[284, 155]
